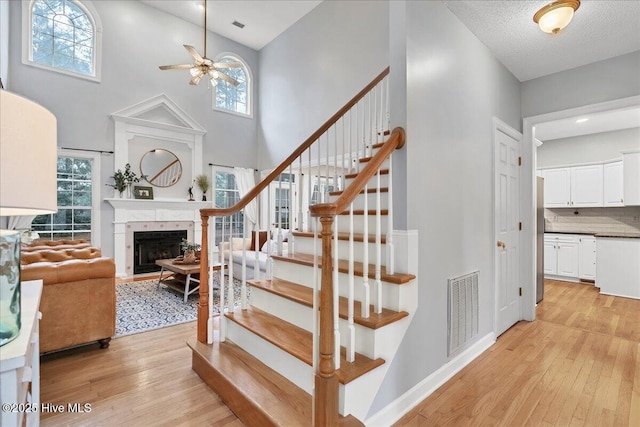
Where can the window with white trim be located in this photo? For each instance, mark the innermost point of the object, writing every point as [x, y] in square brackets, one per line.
[62, 36]
[235, 99]
[227, 195]
[77, 177]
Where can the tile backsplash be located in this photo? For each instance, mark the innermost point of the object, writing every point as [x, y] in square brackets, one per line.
[593, 220]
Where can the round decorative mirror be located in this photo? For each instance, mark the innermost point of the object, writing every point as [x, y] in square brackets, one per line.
[161, 167]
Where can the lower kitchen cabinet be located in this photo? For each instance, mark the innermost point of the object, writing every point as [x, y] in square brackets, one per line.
[587, 258]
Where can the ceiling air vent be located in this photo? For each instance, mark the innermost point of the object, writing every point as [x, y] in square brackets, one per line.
[238, 24]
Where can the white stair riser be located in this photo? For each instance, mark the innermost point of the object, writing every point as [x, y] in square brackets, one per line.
[302, 316]
[391, 293]
[358, 203]
[285, 364]
[305, 245]
[359, 221]
[373, 181]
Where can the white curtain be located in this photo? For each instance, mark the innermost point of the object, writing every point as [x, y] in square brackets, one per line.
[22, 222]
[245, 181]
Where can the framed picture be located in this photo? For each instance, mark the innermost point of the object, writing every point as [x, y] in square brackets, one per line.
[143, 192]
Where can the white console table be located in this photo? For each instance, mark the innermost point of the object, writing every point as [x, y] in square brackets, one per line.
[20, 364]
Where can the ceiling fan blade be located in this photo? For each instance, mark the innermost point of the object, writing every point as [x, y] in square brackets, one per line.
[194, 53]
[176, 67]
[227, 64]
[228, 79]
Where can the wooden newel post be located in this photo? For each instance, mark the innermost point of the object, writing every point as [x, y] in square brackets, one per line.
[326, 381]
[203, 303]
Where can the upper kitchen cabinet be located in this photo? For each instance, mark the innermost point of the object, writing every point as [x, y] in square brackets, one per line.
[631, 177]
[613, 194]
[579, 186]
[557, 187]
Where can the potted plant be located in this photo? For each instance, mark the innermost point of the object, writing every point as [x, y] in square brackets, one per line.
[190, 249]
[203, 183]
[123, 180]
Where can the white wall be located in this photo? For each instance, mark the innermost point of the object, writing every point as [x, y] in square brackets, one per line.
[311, 70]
[596, 147]
[136, 40]
[454, 88]
[4, 41]
[606, 80]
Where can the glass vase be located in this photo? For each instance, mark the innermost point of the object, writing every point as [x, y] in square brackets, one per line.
[10, 320]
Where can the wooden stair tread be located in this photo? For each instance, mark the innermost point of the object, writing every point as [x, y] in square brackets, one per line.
[297, 341]
[370, 190]
[304, 295]
[357, 237]
[257, 394]
[343, 267]
[370, 212]
[355, 174]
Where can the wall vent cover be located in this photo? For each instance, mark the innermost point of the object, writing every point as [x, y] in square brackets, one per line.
[462, 311]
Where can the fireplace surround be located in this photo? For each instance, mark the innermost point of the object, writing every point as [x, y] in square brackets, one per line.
[150, 246]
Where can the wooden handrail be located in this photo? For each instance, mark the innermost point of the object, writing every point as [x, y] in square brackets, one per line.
[395, 141]
[301, 149]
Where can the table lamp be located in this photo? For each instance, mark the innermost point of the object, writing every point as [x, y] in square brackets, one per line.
[28, 159]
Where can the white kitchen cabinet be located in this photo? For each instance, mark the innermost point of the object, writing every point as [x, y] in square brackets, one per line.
[561, 255]
[586, 186]
[587, 258]
[613, 188]
[618, 269]
[631, 177]
[557, 188]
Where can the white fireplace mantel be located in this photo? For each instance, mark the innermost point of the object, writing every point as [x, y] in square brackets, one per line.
[160, 214]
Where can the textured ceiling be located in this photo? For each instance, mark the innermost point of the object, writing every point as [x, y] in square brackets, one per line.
[605, 121]
[600, 29]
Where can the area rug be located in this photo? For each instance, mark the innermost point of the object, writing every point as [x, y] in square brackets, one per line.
[141, 307]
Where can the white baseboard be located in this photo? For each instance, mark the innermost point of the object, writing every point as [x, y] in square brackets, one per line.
[399, 407]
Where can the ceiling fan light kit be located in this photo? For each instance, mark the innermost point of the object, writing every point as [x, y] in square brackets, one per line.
[555, 16]
[204, 66]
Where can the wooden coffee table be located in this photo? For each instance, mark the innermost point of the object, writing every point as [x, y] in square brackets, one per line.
[182, 276]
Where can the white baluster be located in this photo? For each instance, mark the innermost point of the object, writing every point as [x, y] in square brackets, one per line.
[256, 251]
[351, 347]
[223, 324]
[336, 294]
[243, 288]
[389, 244]
[310, 193]
[230, 297]
[212, 244]
[365, 262]
[269, 258]
[378, 270]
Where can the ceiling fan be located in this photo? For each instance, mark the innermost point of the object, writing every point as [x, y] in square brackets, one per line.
[204, 66]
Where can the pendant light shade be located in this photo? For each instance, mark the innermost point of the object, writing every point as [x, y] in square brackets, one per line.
[555, 16]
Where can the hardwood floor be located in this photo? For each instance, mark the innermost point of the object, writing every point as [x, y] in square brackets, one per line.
[140, 380]
[579, 364]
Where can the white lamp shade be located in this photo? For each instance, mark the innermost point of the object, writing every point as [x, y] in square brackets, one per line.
[28, 157]
[556, 19]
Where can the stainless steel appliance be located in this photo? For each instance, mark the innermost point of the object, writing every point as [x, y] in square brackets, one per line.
[540, 240]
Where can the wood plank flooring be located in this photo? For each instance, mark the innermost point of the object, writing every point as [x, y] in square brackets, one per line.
[579, 364]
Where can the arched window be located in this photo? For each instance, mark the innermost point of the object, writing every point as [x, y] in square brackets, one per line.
[235, 99]
[62, 35]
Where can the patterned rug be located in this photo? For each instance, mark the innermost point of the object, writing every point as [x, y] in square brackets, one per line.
[141, 307]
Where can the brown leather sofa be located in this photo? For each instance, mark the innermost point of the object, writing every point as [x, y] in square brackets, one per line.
[78, 302]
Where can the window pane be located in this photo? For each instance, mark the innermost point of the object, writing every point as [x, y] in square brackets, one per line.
[229, 97]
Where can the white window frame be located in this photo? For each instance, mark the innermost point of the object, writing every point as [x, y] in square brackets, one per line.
[95, 188]
[249, 76]
[27, 43]
[222, 169]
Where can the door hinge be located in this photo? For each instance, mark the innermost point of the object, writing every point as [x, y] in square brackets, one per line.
[520, 226]
[519, 160]
[520, 290]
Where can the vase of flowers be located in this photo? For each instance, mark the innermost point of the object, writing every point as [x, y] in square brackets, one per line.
[191, 250]
[122, 180]
[203, 183]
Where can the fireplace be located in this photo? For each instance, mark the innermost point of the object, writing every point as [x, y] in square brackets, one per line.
[150, 246]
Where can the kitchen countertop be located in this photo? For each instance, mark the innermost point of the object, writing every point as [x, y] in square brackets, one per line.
[570, 232]
[627, 235]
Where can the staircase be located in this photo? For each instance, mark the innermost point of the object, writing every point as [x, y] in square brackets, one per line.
[311, 345]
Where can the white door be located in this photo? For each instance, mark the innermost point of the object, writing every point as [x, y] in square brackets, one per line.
[507, 217]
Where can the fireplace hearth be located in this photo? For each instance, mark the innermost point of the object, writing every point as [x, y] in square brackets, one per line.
[150, 246]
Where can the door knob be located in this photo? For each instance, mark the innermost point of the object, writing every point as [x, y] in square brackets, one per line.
[502, 245]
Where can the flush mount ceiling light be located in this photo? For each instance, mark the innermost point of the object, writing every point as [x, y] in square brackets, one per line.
[555, 16]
